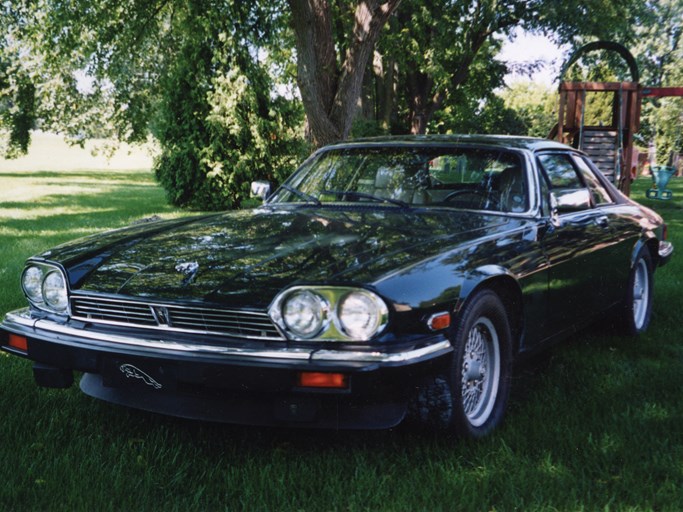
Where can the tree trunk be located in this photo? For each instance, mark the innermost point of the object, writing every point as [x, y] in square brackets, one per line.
[330, 94]
[385, 90]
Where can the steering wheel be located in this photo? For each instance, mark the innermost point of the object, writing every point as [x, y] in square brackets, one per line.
[485, 199]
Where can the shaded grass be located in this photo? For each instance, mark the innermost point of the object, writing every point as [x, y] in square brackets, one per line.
[596, 424]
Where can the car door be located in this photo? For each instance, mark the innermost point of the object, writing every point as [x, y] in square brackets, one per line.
[615, 250]
[578, 272]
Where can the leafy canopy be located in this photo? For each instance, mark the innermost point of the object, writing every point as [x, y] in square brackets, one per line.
[213, 80]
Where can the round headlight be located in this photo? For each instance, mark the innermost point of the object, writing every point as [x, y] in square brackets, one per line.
[304, 313]
[54, 291]
[362, 314]
[31, 282]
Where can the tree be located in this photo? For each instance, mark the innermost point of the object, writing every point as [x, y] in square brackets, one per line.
[194, 74]
[220, 122]
[17, 92]
[204, 76]
[430, 53]
[330, 84]
[535, 104]
[17, 110]
[659, 52]
[443, 42]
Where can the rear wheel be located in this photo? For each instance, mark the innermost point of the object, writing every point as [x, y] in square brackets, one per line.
[481, 368]
[634, 315]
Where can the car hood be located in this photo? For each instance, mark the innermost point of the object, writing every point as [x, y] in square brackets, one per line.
[244, 258]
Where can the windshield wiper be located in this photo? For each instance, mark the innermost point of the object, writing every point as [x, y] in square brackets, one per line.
[303, 195]
[364, 195]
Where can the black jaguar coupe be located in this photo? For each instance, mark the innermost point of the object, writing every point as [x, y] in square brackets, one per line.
[385, 278]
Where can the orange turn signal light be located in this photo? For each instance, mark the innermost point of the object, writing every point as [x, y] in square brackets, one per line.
[18, 342]
[439, 321]
[323, 380]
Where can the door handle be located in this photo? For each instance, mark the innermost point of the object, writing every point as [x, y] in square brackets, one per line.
[602, 221]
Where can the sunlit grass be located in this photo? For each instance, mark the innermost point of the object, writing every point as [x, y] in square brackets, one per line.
[595, 424]
[43, 208]
[49, 152]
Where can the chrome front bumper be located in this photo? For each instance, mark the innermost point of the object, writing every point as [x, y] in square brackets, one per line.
[666, 249]
[21, 323]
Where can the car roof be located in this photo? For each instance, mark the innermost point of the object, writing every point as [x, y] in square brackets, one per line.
[499, 141]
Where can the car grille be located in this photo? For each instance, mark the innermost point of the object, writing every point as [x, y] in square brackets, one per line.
[245, 324]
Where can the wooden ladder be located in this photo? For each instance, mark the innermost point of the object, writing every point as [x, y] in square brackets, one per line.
[601, 147]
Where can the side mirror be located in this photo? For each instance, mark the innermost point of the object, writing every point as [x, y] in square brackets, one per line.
[260, 189]
[567, 200]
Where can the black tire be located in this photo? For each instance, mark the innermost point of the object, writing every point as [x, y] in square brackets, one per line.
[480, 374]
[633, 317]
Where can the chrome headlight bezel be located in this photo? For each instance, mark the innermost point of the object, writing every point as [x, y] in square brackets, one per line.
[361, 314]
[51, 299]
[335, 323]
[32, 283]
[55, 294]
[311, 317]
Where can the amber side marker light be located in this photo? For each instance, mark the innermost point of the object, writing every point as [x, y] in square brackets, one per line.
[323, 380]
[439, 321]
[18, 342]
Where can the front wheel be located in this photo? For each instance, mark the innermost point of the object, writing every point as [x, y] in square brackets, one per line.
[481, 368]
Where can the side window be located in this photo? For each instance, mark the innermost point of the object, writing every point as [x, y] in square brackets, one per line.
[598, 191]
[560, 171]
[545, 194]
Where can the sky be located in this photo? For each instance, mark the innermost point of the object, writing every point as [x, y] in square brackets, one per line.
[529, 47]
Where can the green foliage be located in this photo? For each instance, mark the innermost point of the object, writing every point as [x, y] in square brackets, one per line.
[220, 127]
[474, 107]
[443, 55]
[659, 51]
[17, 108]
[19, 116]
[206, 77]
[580, 21]
[534, 104]
[203, 77]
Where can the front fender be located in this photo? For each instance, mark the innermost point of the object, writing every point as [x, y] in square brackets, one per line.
[480, 275]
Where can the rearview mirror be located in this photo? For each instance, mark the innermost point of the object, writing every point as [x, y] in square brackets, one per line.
[260, 189]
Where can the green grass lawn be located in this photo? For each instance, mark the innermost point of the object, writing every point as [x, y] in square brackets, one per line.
[597, 424]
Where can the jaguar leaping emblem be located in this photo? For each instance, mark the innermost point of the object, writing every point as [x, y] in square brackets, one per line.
[131, 371]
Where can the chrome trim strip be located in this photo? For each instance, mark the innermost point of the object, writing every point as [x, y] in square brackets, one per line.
[380, 357]
[19, 321]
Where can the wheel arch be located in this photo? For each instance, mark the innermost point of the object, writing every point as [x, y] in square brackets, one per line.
[502, 282]
[651, 244]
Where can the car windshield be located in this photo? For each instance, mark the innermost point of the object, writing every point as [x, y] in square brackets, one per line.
[470, 178]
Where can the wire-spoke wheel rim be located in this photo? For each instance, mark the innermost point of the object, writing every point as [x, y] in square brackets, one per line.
[641, 293]
[480, 371]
